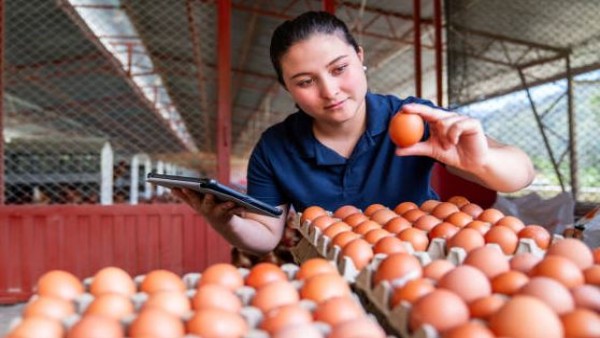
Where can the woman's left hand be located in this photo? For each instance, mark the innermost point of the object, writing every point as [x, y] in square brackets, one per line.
[456, 140]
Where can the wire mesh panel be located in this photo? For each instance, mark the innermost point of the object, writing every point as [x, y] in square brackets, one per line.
[529, 70]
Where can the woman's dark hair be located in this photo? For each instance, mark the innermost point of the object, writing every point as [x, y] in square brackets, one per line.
[301, 28]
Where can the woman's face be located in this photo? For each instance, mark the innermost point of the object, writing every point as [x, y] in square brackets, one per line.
[325, 77]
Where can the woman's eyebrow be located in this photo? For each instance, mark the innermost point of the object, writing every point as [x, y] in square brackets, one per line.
[329, 64]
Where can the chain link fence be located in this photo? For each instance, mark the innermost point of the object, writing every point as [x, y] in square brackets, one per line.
[529, 71]
[99, 92]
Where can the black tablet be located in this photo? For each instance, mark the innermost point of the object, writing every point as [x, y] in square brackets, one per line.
[219, 190]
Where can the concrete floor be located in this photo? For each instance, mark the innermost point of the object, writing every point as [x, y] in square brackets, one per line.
[7, 314]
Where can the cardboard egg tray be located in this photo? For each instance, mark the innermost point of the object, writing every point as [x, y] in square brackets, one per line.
[252, 315]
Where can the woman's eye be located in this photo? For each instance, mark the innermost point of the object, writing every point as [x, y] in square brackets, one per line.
[305, 83]
[340, 69]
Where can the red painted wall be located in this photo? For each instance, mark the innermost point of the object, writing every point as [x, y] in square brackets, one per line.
[83, 239]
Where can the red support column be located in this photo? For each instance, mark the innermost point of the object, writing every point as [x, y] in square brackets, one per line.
[329, 6]
[417, 44]
[224, 96]
[439, 62]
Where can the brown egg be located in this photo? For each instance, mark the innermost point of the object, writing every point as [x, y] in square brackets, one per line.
[551, 292]
[524, 262]
[444, 209]
[413, 214]
[433, 309]
[417, 238]
[37, 327]
[426, 222]
[323, 222]
[592, 275]
[443, 230]
[96, 326]
[505, 237]
[388, 245]
[581, 323]
[526, 317]
[112, 279]
[472, 209]
[373, 236]
[114, 305]
[480, 226]
[483, 308]
[466, 238]
[403, 207]
[573, 249]
[437, 268]
[287, 315]
[275, 294]
[429, 205]
[459, 218]
[315, 266]
[162, 280]
[174, 302]
[467, 282]
[559, 268]
[61, 284]
[397, 224]
[324, 286]
[210, 296]
[343, 238]
[510, 222]
[224, 274]
[383, 216]
[509, 282]
[539, 234]
[371, 209]
[470, 329]
[51, 307]
[490, 215]
[359, 327]
[299, 331]
[215, 323]
[489, 259]
[264, 273]
[596, 254]
[336, 228]
[459, 201]
[311, 213]
[586, 296]
[398, 265]
[337, 310]
[366, 226]
[411, 291]
[359, 251]
[355, 219]
[156, 323]
[345, 211]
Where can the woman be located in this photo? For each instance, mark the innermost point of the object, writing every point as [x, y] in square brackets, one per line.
[336, 150]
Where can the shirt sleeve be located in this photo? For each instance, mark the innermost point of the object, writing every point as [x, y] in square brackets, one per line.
[262, 182]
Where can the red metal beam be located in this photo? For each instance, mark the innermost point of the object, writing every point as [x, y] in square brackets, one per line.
[329, 6]
[417, 44]
[224, 104]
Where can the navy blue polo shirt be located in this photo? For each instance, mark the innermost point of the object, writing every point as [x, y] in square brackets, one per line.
[290, 166]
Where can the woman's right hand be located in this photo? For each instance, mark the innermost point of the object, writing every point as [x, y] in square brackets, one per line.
[217, 214]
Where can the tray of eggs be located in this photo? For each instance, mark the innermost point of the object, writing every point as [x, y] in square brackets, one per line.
[453, 269]
[307, 300]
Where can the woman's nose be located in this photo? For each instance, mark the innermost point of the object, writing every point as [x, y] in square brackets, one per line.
[329, 88]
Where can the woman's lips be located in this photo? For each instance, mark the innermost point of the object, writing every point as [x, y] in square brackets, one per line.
[335, 105]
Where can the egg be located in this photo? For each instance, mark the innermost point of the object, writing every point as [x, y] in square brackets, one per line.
[366, 226]
[112, 279]
[586, 296]
[417, 238]
[155, 322]
[51, 307]
[375, 235]
[314, 266]
[488, 259]
[371, 209]
[359, 251]
[38, 326]
[526, 317]
[524, 262]
[59, 283]
[437, 268]
[397, 224]
[402, 207]
[466, 238]
[426, 222]
[480, 226]
[459, 218]
[114, 305]
[509, 282]
[161, 280]
[336, 228]
[592, 275]
[434, 309]
[472, 209]
[299, 331]
[174, 302]
[264, 273]
[96, 326]
[389, 245]
[311, 213]
[343, 238]
[483, 308]
[459, 201]
[398, 265]
[472, 329]
[279, 318]
[428, 205]
[413, 214]
[275, 294]
[467, 282]
[216, 296]
[406, 129]
[323, 222]
[559, 268]
[573, 249]
[510, 222]
[337, 310]
[411, 291]
[224, 274]
[490, 215]
[443, 230]
[539, 234]
[382, 216]
[551, 292]
[216, 323]
[324, 286]
[444, 210]
[505, 237]
[582, 323]
[355, 219]
[345, 211]
[359, 327]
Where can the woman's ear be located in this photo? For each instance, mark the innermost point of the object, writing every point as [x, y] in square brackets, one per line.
[361, 54]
